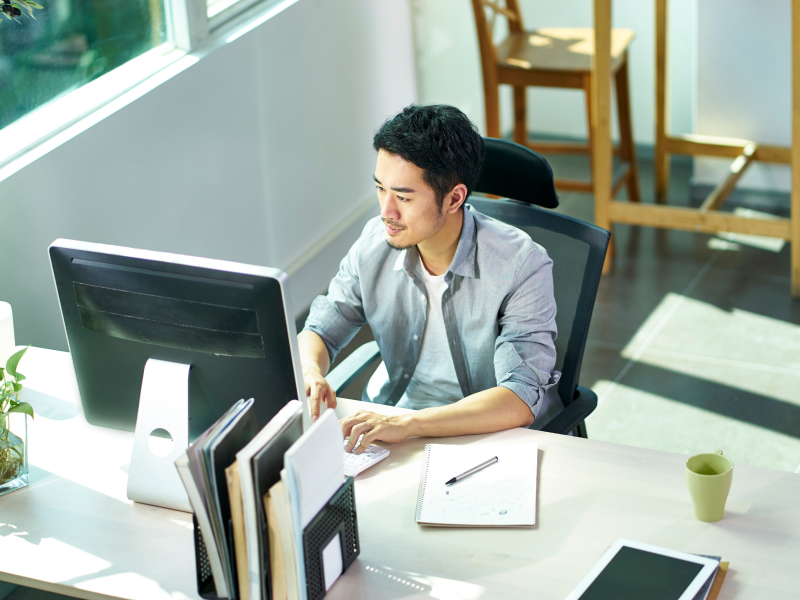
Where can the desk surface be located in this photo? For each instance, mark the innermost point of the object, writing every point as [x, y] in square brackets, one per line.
[73, 530]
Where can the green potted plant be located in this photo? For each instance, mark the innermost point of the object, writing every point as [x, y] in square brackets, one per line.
[13, 427]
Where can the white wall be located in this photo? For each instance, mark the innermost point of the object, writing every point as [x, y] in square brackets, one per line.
[744, 83]
[449, 71]
[259, 153]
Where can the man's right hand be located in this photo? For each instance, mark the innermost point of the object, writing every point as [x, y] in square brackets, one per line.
[318, 390]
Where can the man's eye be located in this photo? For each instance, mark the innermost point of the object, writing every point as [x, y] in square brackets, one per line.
[379, 188]
[402, 199]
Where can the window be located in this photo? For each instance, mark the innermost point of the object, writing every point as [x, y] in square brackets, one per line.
[70, 43]
[77, 56]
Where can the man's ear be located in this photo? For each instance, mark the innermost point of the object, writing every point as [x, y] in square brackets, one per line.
[456, 198]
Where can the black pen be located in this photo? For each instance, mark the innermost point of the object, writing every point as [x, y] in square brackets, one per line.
[483, 465]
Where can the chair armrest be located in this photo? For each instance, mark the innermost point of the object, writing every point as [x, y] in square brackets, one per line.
[352, 366]
[581, 407]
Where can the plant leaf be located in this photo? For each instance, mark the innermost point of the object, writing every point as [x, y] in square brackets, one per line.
[20, 377]
[13, 361]
[18, 387]
[24, 4]
[22, 407]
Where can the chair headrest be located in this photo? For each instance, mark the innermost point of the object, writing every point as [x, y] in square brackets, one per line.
[516, 172]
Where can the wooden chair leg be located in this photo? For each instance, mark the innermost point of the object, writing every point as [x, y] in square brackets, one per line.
[491, 94]
[590, 126]
[520, 116]
[661, 156]
[626, 131]
[587, 91]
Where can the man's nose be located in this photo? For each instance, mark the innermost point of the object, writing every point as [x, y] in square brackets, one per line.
[389, 209]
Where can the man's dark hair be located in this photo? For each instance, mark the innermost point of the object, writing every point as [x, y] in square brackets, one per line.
[440, 140]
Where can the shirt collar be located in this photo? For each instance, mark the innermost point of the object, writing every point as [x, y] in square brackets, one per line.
[463, 262]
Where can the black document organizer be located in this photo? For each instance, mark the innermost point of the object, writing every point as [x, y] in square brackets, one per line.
[205, 579]
[337, 516]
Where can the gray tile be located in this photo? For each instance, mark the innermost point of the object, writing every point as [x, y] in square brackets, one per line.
[736, 316]
[751, 288]
[689, 407]
[759, 262]
[602, 364]
[630, 304]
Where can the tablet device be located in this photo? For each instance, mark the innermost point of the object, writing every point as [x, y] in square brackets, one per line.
[632, 571]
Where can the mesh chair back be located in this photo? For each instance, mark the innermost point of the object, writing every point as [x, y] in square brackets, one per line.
[578, 250]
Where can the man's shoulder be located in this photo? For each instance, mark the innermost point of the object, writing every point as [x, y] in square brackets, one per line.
[498, 241]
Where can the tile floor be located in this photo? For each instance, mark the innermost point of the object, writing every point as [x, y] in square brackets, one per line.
[695, 341]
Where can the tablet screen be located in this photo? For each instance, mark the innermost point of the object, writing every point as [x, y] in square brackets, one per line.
[635, 574]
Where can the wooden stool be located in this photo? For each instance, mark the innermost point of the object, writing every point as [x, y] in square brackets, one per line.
[707, 218]
[558, 57]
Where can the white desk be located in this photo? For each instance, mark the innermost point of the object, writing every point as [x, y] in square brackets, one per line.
[73, 531]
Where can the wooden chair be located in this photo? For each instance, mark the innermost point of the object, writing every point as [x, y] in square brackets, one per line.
[553, 57]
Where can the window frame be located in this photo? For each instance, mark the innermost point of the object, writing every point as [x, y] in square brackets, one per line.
[191, 34]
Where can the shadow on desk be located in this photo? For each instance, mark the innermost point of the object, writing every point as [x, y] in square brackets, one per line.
[9, 591]
[50, 407]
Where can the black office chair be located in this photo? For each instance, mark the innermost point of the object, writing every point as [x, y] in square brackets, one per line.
[578, 250]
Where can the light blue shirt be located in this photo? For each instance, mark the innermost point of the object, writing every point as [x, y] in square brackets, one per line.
[499, 310]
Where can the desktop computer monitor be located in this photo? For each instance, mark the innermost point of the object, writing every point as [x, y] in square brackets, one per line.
[230, 322]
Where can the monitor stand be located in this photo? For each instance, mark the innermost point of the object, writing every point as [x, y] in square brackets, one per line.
[163, 404]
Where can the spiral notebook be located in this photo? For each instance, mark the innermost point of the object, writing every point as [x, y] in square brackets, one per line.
[501, 495]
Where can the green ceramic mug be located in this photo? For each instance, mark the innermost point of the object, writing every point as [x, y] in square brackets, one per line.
[709, 479]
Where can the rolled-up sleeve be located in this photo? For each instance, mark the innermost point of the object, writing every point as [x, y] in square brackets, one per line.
[338, 316]
[525, 352]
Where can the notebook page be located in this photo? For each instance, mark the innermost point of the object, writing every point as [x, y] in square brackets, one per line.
[501, 495]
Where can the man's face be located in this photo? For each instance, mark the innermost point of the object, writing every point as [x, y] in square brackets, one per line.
[409, 209]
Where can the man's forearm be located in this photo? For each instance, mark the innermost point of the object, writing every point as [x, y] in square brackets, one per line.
[495, 409]
[313, 353]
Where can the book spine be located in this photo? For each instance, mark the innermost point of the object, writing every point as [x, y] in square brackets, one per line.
[423, 481]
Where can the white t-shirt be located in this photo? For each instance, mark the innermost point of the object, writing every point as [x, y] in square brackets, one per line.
[434, 382]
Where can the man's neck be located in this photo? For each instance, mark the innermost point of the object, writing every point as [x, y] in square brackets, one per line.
[437, 252]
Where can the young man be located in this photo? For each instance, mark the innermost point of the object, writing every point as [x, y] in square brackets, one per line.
[461, 305]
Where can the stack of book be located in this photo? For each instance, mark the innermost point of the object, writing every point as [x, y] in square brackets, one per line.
[255, 494]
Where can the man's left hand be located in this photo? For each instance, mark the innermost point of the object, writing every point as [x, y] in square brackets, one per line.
[374, 427]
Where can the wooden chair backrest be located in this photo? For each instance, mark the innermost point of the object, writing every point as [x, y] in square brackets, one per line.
[485, 27]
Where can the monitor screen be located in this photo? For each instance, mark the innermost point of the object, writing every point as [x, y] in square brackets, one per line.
[231, 322]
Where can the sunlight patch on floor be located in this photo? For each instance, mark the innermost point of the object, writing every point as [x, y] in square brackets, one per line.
[636, 418]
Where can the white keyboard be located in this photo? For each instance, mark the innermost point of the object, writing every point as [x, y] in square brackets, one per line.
[357, 463]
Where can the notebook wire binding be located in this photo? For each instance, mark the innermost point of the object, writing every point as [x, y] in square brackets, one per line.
[423, 481]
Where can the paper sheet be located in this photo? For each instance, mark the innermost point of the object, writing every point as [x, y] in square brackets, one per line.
[332, 561]
[317, 464]
[501, 495]
[314, 468]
